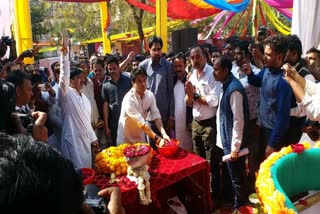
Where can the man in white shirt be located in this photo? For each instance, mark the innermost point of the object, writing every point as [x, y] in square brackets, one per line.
[138, 107]
[202, 93]
[232, 123]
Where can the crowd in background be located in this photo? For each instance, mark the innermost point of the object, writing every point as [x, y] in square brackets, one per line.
[258, 95]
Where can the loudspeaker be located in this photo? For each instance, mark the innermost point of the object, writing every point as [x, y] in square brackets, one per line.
[91, 49]
[184, 39]
[176, 41]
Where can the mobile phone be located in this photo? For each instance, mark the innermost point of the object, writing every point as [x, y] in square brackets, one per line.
[42, 87]
[53, 82]
[244, 55]
[43, 73]
[244, 60]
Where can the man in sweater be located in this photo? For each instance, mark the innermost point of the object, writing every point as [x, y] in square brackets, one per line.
[276, 95]
[232, 127]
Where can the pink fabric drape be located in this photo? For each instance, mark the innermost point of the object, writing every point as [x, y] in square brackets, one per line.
[229, 17]
[286, 12]
[280, 3]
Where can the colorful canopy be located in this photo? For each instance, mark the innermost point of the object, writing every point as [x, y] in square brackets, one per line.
[196, 9]
[177, 9]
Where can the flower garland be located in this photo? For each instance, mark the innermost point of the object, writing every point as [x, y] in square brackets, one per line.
[143, 183]
[111, 160]
[272, 199]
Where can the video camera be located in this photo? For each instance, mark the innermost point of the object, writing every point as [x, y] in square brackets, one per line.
[8, 41]
[92, 198]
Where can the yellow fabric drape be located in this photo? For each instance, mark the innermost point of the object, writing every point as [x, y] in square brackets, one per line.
[283, 29]
[22, 28]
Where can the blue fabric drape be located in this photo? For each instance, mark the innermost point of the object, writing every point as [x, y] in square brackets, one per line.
[223, 5]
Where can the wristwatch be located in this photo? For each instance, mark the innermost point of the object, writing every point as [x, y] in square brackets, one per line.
[196, 96]
[156, 138]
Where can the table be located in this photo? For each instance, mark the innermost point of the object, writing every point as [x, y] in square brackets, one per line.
[184, 174]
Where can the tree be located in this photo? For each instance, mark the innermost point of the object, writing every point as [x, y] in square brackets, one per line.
[82, 20]
[125, 18]
[38, 12]
[138, 18]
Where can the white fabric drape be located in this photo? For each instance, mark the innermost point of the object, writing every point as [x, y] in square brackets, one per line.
[306, 23]
[6, 19]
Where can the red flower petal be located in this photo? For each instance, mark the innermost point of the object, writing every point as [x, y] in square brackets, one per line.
[303, 202]
[297, 148]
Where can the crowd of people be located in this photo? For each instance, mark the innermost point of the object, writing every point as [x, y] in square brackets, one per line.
[257, 95]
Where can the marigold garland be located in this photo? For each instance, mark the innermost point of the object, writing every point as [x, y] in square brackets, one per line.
[112, 160]
[273, 201]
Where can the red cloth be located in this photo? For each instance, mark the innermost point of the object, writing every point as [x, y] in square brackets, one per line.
[189, 170]
[178, 9]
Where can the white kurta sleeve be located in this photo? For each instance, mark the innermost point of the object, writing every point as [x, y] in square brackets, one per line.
[311, 107]
[132, 110]
[92, 135]
[311, 88]
[236, 103]
[311, 101]
[213, 97]
[64, 80]
[297, 111]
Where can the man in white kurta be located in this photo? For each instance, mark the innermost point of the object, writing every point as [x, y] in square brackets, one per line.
[77, 132]
[138, 106]
[180, 111]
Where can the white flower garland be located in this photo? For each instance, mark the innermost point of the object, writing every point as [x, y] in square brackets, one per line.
[112, 178]
[142, 180]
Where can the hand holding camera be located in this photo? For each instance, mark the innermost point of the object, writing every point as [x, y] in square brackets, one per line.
[95, 201]
[114, 205]
[5, 42]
